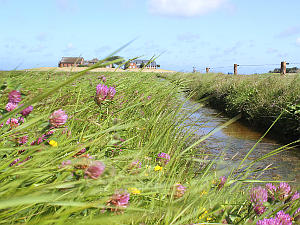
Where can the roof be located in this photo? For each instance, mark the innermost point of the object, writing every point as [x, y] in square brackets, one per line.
[71, 59]
[94, 60]
[140, 61]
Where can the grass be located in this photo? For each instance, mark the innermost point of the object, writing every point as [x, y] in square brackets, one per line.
[259, 98]
[143, 119]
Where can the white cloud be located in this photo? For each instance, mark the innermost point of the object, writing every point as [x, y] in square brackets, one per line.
[184, 8]
[298, 41]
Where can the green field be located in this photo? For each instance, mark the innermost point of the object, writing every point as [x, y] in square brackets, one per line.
[60, 178]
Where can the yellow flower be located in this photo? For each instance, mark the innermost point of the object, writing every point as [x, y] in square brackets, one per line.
[203, 213]
[134, 191]
[203, 193]
[157, 168]
[209, 219]
[53, 143]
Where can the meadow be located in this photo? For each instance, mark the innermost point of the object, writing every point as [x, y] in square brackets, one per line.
[260, 99]
[110, 148]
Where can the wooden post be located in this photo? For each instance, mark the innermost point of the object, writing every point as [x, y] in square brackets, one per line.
[207, 69]
[235, 68]
[283, 68]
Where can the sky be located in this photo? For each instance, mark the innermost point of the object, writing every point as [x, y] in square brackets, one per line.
[183, 33]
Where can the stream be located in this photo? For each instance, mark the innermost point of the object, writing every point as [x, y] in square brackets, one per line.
[236, 140]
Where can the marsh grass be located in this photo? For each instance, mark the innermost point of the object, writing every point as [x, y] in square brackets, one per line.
[145, 113]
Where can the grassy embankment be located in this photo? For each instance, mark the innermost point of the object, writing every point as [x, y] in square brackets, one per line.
[56, 182]
[259, 98]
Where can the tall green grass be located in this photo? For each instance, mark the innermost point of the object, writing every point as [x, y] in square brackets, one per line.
[145, 113]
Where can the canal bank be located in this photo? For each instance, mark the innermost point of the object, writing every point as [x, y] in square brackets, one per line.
[233, 142]
[260, 99]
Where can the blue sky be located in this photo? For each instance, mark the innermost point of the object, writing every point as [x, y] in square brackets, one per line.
[200, 33]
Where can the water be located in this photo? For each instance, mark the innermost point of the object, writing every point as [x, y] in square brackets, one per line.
[237, 139]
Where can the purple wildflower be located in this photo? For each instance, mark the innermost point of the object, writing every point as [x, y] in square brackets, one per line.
[285, 219]
[179, 190]
[149, 97]
[163, 158]
[271, 190]
[101, 93]
[135, 164]
[12, 122]
[80, 152]
[283, 190]
[111, 93]
[10, 106]
[120, 199]
[21, 119]
[23, 140]
[95, 170]
[223, 180]
[271, 221]
[38, 141]
[58, 118]
[14, 162]
[14, 96]
[258, 196]
[295, 196]
[27, 111]
[65, 163]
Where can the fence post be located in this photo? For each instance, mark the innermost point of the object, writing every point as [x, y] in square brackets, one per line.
[235, 68]
[207, 69]
[283, 68]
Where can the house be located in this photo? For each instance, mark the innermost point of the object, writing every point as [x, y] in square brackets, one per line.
[138, 63]
[94, 61]
[70, 61]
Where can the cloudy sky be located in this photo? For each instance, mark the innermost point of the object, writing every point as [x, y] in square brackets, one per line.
[200, 33]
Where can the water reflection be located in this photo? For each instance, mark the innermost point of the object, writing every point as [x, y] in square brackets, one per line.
[237, 139]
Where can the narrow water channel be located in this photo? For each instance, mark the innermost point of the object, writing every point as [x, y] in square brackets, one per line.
[237, 139]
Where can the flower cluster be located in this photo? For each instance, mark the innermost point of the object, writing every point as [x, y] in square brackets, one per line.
[163, 158]
[104, 93]
[14, 97]
[95, 170]
[58, 118]
[271, 193]
[258, 196]
[120, 200]
[222, 182]
[179, 190]
[280, 219]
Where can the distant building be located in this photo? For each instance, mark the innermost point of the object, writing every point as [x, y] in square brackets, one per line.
[138, 63]
[70, 61]
[94, 61]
